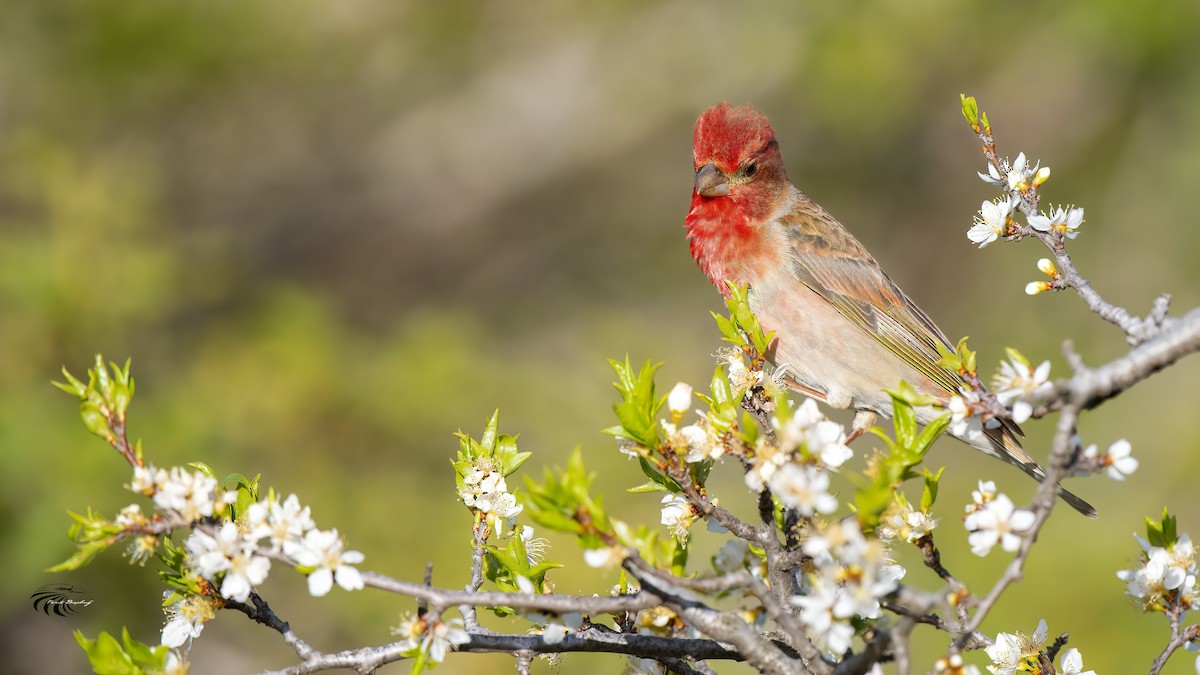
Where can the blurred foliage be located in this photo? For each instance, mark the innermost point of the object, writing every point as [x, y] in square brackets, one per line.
[331, 233]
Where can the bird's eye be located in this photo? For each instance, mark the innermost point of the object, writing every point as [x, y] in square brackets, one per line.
[749, 169]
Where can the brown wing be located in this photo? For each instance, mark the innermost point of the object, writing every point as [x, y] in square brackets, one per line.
[831, 262]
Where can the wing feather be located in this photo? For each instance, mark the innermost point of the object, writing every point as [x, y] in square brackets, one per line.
[831, 262]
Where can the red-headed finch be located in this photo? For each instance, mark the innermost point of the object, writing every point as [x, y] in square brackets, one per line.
[843, 329]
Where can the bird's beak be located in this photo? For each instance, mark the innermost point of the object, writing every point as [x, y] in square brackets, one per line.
[710, 182]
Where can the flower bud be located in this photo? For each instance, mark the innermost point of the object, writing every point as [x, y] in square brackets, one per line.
[1035, 287]
[1041, 176]
[680, 398]
[1046, 266]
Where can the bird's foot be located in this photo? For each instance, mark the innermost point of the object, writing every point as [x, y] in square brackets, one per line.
[863, 420]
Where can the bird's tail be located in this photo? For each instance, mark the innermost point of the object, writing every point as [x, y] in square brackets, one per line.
[1008, 447]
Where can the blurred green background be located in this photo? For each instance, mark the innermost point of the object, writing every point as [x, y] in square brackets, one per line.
[329, 234]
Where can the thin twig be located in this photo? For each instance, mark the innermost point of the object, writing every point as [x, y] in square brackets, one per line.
[728, 628]
[262, 613]
[441, 598]
[1179, 637]
[1043, 503]
[478, 542]
[595, 640]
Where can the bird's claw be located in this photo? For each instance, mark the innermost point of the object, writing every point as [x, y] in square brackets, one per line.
[863, 420]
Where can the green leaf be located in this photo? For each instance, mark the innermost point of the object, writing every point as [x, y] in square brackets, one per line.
[488, 440]
[1164, 533]
[657, 476]
[1015, 355]
[887, 472]
[870, 503]
[929, 492]
[905, 421]
[562, 500]
[648, 486]
[930, 433]
[743, 329]
[727, 328]
[949, 360]
[749, 431]
[882, 435]
[638, 409]
[700, 471]
[965, 355]
[142, 654]
[419, 662]
[514, 462]
[722, 391]
[86, 553]
[970, 109]
[204, 469]
[106, 655]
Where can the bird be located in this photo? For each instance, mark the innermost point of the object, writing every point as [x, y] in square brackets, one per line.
[844, 331]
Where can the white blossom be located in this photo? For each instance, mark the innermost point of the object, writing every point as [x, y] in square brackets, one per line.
[804, 488]
[696, 441]
[433, 639]
[731, 556]
[610, 556]
[174, 664]
[1010, 650]
[680, 398]
[1015, 379]
[1167, 576]
[740, 377]
[1019, 173]
[677, 514]
[953, 665]
[555, 631]
[502, 504]
[185, 620]
[230, 555]
[188, 493]
[807, 428]
[824, 616]
[486, 491]
[656, 621]
[1117, 462]
[1064, 221]
[282, 523]
[992, 177]
[146, 478]
[535, 547]
[997, 521]
[323, 550]
[639, 666]
[1005, 654]
[980, 496]
[1071, 663]
[964, 422]
[991, 221]
[855, 567]
[768, 457]
[905, 522]
[131, 516]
